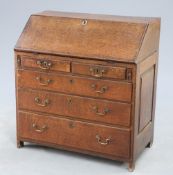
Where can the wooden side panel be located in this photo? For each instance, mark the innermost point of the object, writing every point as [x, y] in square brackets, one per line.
[146, 98]
[145, 104]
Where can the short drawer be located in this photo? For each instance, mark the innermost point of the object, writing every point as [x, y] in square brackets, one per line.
[45, 64]
[101, 139]
[100, 71]
[114, 90]
[74, 106]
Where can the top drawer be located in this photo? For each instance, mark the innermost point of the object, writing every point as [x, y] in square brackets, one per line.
[100, 71]
[45, 64]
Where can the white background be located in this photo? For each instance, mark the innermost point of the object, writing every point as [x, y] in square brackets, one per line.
[35, 160]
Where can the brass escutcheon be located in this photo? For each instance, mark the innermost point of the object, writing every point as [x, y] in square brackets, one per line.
[69, 100]
[71, 124]
[84, 22]
[71, 81]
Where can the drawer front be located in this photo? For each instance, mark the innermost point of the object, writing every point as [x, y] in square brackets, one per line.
[99, 71]
[45, 64]
[100, 138]
[114, 90]
[74, 106]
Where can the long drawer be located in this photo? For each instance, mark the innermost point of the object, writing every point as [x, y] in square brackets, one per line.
[100, 138]
[75, 106]
[113, 90]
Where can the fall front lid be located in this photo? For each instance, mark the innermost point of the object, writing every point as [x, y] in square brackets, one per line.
[94, 36]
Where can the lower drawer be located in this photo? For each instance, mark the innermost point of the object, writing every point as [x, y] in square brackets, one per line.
[74, 134]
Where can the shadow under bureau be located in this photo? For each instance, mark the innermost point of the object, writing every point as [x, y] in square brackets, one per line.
[87, 83]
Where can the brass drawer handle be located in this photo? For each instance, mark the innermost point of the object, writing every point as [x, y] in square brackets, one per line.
[39, 129]
[96, 110]
[102, 90]
[43, 83]
[44, 64]
[99, 140]
[40, 103]
[97, 71]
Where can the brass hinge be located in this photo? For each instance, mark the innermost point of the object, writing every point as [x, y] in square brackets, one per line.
[18, 60]
[128, 74]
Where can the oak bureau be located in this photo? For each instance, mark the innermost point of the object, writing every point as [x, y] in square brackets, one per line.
[87, 83]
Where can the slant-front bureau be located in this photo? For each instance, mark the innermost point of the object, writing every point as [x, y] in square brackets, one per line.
[87, 83]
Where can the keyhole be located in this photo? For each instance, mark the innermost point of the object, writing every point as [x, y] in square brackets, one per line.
[71, 81]
[84, 22]
[97, 71]
[69, 100]
[71, 124]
